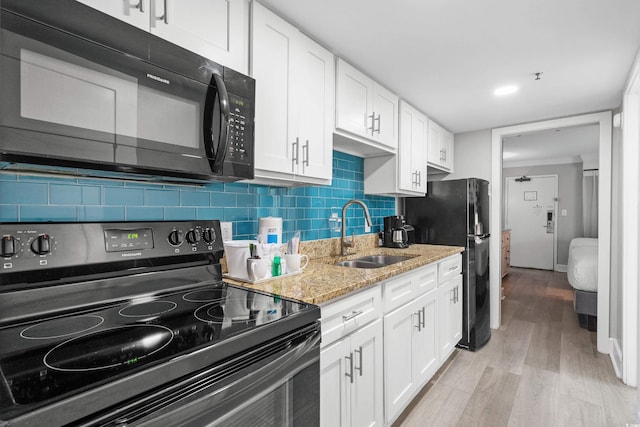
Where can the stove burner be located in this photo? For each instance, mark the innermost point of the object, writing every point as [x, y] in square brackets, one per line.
[151, 308]
[63, 327]
[109, 348]
[207, 295]
[215, 313]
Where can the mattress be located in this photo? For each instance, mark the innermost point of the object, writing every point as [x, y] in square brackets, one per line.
[582, 269]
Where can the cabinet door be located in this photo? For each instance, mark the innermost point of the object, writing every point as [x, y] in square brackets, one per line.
[434, 144]
[425, 341]
[418, 148]
[385, 116]
[354, 100]
[406, 175]
[272, 44]
[367, 388]
[398, 358]
[132, 12]
[313, 83]
[215, 29]
[455, 321]
[445, 309]
[447, 149]
[334, 384]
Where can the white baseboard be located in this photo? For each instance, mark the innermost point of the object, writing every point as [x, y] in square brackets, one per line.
[562, 268]
[616, 357]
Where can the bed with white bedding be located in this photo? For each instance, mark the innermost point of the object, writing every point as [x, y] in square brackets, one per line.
[582, 273]
[582, 269]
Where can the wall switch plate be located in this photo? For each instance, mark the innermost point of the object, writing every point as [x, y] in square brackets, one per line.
[563, 212]
[226, 228]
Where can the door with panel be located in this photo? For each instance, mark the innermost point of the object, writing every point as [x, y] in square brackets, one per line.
[367, 388]
[134, 13]
[334, 383]
[385, 116]
[215, 29]
[313, 85]
[530, 213]
[425, 341]
[272, 45]
[354, 100]
[399, 328]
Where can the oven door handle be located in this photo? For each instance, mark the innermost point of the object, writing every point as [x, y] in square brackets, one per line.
[216, 156]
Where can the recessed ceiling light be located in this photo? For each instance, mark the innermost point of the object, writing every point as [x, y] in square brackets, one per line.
[505, 90]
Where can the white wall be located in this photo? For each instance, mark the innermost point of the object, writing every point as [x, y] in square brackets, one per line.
[472, 156]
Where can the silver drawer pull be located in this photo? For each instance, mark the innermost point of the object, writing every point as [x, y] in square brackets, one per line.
[455, 267]
[353, 315]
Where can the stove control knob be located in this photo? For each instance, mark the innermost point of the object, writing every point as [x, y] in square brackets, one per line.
[208, 235]
[193, 236]
[8, 248]
[41, 245]
[175, 238]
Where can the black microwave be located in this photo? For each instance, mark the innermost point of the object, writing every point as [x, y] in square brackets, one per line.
[82, 90]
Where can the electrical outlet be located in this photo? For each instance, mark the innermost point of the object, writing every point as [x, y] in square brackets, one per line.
[226, 228]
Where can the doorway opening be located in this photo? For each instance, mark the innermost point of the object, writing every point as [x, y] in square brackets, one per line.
[604, 122]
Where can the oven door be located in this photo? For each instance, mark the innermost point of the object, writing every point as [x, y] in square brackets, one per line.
[67, 101]
[276, 384]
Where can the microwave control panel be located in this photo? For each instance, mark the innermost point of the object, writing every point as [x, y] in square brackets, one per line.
[240, 131]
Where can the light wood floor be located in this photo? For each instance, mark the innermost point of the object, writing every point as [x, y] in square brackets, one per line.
[539, 369]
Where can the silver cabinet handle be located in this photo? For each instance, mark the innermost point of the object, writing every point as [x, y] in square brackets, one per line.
[139, 6]
[165, 15]
[377, 120]
[452, 297]
[372, 128]
[419, 177]
[455, 267]
[423, 317]
[350, 373]
[419, 326]
[353, 315]
[441, 155]
[305, 148]
[295, 152]
[359, 351]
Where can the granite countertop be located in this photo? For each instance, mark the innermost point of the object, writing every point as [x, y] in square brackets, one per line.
[322, 281]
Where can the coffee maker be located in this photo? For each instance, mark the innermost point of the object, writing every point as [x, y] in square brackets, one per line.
[396, 232]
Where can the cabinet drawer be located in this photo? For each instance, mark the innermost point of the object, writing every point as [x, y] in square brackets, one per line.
[402, 289]
[344, 316]
[449, 268]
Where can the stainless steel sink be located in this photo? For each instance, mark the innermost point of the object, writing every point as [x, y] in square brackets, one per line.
[373, 261]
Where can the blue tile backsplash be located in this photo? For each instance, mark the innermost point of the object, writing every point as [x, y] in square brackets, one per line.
[26, 198]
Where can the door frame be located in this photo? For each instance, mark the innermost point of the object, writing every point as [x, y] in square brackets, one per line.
[555, 213]
[604, 121]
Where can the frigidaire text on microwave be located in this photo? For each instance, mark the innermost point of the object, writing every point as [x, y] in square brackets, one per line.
[81, 89]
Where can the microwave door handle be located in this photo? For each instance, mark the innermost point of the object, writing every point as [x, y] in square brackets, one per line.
[223, 139]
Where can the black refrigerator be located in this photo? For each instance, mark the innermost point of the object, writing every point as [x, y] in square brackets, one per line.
[456, 213]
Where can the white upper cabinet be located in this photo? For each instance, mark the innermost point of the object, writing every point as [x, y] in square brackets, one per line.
[440, 151]
[366, 114]
[215, 29]
[294, 103]
[404, 174]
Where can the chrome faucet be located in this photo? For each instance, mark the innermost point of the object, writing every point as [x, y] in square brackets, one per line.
[344, 244]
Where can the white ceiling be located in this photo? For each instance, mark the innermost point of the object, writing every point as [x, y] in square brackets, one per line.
[564, 145]
[447, 57]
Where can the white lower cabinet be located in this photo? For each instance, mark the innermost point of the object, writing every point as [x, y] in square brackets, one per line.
[382, 345]
[410, 356]
[351, 379]
[450, 307]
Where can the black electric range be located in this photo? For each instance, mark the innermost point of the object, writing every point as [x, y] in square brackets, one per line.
[96, 317]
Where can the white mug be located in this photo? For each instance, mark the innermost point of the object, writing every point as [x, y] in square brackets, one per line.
[257, 268]
[293, 262]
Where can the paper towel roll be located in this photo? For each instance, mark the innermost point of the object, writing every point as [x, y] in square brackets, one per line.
[271, 228]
